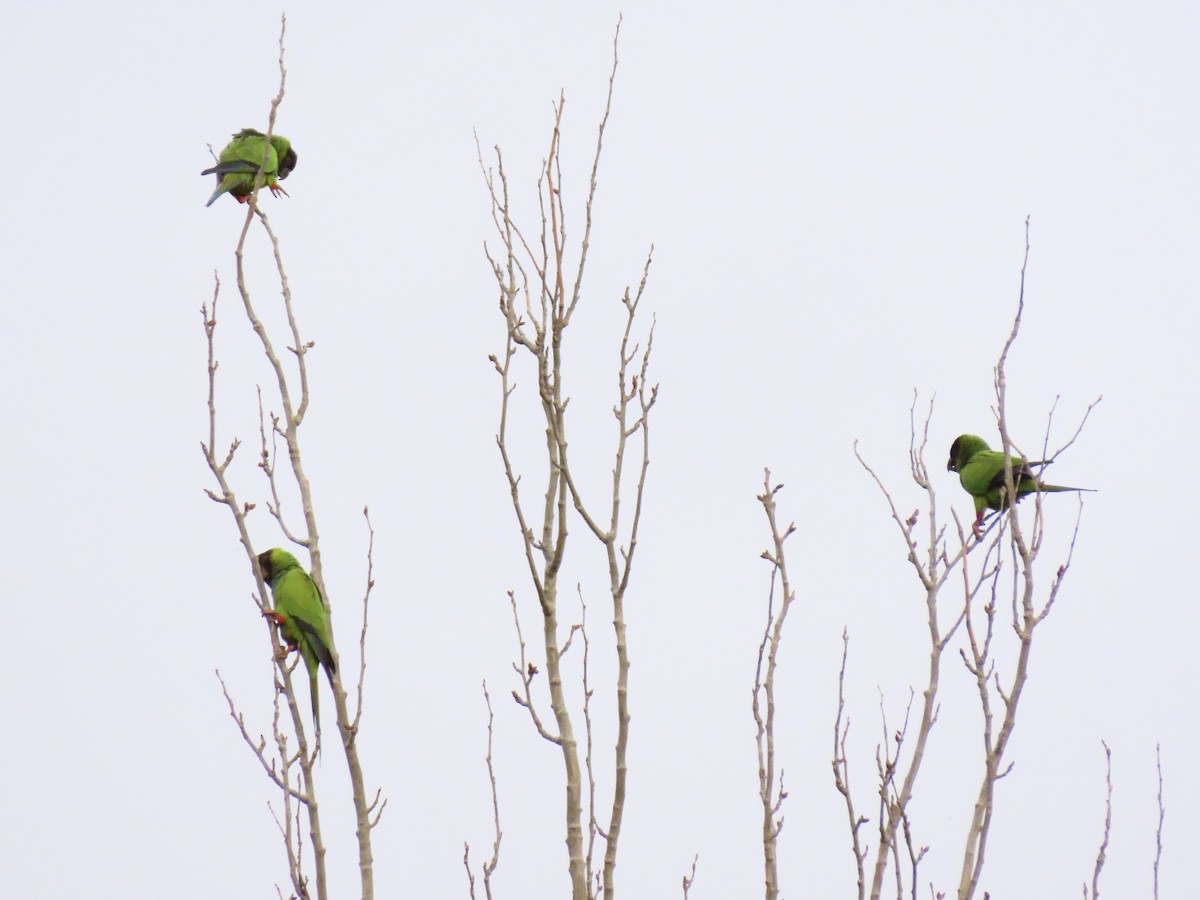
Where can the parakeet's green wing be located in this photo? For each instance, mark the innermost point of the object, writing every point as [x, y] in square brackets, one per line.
[1022, 476]
[309, 618]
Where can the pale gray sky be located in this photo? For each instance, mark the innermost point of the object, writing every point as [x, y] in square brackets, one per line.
[836, 198]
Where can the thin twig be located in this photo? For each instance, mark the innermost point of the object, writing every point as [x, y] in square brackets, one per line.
[764, 685]
[841, 770]
[689, 880]
[490, 866]
[1103, 853]
[1158, 831]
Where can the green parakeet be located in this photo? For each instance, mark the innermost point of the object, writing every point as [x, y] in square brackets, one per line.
[981, 471]
[300, 614]
[240, 160]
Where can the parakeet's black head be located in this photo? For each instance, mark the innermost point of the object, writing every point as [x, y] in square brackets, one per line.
[266, 565]
[952, 465]
[964, 447]
[287, 163]
[285, 153]
[275, 562]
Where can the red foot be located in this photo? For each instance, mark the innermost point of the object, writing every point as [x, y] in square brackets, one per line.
[975, 530]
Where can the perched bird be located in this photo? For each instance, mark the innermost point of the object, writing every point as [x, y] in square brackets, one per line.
[981, 471]
[300, 614]
[241, 159]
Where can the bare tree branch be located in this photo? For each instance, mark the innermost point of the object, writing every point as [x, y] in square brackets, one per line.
[1103, 853]
[689, 880]
[841, 770]
[490, 866]
[764, 686]
[932, 567]
[537, 326]
[1158, 832]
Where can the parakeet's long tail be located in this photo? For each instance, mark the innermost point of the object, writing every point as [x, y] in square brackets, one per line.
[316, 701]
[217, 193]
[1055, 488]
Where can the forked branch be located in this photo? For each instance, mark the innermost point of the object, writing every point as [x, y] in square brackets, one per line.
[540, 284]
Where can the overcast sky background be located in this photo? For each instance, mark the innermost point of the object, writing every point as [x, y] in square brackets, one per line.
[836, 198]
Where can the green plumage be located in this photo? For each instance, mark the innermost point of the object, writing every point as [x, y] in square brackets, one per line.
[241, 159]
[301, 616]
[981, 472]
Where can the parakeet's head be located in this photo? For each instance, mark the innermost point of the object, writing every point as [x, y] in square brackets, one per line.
[274, 561]
[287, 156]
[964, 447]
